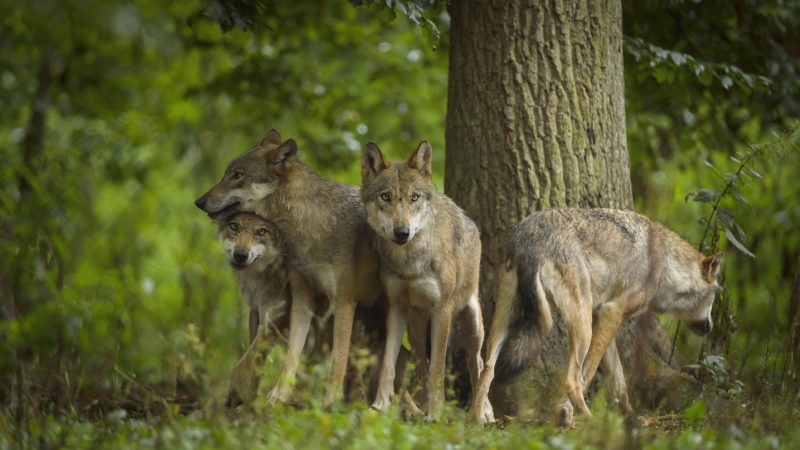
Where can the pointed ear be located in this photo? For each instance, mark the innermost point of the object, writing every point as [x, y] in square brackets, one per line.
[710, 266]
[372, 162]
[284, 152]
[272, 137]
[421, 159]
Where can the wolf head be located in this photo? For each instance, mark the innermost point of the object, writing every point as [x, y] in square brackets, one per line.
[249, 178]
[689, 290]
[250, 242]
[397, 195]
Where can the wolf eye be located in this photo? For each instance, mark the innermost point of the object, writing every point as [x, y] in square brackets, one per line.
[237, 175]
[386, 197]
[261, 231]
[414, 197]
[233, 226]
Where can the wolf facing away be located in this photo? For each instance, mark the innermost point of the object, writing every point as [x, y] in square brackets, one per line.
[254, 251]
[596, 267]
[322, 224]
[430, 255]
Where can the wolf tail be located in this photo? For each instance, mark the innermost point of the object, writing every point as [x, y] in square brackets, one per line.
[530, 322]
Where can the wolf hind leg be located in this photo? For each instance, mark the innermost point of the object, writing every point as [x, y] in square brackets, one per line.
[343, 315]
[571, 291]
[616, 386]
[607, 319]
[505, 295]
[472, 326]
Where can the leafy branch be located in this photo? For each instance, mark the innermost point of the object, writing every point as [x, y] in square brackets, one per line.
[720, 217]
[417, 11]
[664, 64]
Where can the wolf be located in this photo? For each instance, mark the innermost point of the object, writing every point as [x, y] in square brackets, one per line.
[254, 251]
[596, 268]
[323, 226]
[430, 256]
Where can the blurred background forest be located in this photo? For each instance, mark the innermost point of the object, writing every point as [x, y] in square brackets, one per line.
[115, 116]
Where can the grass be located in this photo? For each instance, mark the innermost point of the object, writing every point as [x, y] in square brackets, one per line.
[355, 426]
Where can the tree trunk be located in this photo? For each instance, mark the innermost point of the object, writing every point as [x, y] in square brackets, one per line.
[536, 116]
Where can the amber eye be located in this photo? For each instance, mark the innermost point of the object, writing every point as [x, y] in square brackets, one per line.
[414, 197]
[386, 197]
[261, 231]
[233, 226]
[237, 176]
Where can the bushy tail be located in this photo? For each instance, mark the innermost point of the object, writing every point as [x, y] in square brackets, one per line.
[531, 322]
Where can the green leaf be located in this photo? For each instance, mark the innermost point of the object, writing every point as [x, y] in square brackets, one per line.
[704, 195]
[732, 239]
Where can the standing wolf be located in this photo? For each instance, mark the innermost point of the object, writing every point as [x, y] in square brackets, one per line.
[596, 267]
[322, 224]
[254, 251]
[430, 255]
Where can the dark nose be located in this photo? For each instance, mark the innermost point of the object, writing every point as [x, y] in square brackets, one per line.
[201, 202]
[401, 234]
[240, 256]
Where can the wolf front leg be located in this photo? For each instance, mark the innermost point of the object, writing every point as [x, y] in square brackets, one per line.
[302, 311]
[343, 313]
[440, 332]
[396, 320]
[418, 338]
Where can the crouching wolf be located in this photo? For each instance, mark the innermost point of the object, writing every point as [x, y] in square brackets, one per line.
[430, 256]
[254, 251]
[596, 267]
[322, 224]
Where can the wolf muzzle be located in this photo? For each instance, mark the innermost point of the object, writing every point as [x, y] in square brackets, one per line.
[401, 235]
[201, 202]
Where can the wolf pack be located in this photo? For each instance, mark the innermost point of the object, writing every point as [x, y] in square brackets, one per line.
[397, 247]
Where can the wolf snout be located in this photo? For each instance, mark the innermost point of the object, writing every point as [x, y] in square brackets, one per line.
[701, 327]
[240, 257]
[201, 202]
[401, 234]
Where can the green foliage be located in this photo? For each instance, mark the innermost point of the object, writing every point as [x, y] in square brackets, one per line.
[112, 281]
[414, 10]
[118, 313]
[665, 64]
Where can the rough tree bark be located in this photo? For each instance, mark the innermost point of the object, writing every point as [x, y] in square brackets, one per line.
[536, 115]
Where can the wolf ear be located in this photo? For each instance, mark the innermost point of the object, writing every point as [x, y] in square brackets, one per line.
[421, 159]
[284, 152]
[710, 266]
[372, 162]
[272, 137]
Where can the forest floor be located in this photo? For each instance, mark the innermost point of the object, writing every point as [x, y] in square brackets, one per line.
[356, 426]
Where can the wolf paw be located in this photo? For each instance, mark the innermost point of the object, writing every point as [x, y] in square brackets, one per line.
[381, 404]
[481, 414]
[565, 417]
[277, 395]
